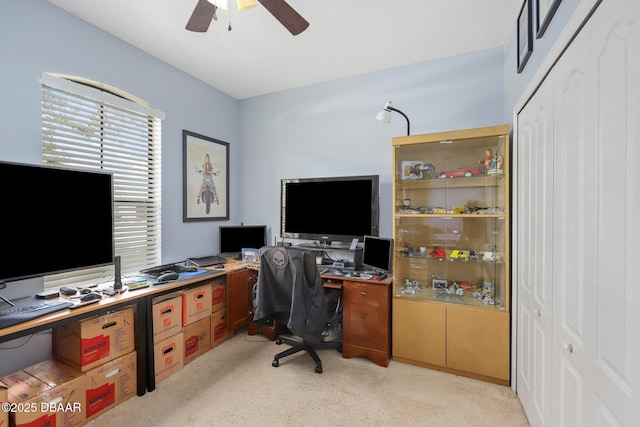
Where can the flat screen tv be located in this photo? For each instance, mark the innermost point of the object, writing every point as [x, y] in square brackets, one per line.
[235, 238]
[330, 209]
[55, 220]
[377, 254]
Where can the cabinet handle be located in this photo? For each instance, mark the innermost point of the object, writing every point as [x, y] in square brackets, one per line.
[363, 293]
[363, 317]
[537, 312]
[567, 346]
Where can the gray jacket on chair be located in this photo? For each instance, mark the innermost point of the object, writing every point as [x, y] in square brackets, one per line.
[290, 290]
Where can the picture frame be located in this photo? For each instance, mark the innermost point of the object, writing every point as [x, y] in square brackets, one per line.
[525, 34]
[545, 9]
[205, 178]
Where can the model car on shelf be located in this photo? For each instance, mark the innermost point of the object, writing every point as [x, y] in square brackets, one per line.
[460, 172]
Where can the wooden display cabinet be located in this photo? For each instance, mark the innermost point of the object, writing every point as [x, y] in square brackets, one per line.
[451, 293]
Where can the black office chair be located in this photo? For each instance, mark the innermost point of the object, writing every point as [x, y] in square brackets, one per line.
[289, 290]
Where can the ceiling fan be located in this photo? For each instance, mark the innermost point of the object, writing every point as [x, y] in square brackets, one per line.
[205, 11]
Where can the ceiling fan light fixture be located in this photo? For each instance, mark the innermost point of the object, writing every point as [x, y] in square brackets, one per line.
[246, 4]
[220, 4]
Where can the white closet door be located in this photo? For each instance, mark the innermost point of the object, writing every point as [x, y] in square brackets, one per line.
[614, 64]
[574, 245]
[534, 220]
[596, 121]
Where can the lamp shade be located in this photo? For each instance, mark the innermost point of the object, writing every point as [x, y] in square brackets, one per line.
[384, 116]
[221, 4]
[246, 4]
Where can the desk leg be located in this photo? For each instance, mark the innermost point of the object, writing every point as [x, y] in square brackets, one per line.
[149, 362]
[141, 332]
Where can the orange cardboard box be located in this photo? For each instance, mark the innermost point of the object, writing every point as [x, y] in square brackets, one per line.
[218, 292]
[167, 316]
[91, 342]
[197, 339]
[196, 304]
[48, 393]
[4, 398]
[110, 384]
[168, 356]
[218, 328]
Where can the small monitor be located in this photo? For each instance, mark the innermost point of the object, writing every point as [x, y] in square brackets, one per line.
[377, 254]
[235, 238]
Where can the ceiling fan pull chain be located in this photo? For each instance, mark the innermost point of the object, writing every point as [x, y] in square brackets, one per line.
[229, 27]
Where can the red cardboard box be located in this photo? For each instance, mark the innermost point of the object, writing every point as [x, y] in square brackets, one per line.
[197, 339]
[110, 384]
[167, 316]
[91, 342]
[196, 304]
[168, 356]
[218, 328]
[4, 398]
[218, 292]
[49, 394]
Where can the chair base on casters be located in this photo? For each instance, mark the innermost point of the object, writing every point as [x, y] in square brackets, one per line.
[299, 345]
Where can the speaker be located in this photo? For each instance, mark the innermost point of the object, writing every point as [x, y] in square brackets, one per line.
[117, 282]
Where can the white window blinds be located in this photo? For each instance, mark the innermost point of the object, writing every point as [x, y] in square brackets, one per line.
[88, 125]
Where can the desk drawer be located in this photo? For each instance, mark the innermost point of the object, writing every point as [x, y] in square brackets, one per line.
[363, 293]
[362, 326]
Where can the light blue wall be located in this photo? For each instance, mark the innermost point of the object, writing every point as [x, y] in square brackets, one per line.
[330, 129]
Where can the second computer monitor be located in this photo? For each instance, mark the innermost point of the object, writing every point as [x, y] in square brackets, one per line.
[235, 238]
[377, 254]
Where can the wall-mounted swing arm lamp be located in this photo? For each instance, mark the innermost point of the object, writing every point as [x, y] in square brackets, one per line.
[384, 115]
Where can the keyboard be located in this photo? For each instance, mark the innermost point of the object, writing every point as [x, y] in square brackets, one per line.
[20, 314]
[207, 260]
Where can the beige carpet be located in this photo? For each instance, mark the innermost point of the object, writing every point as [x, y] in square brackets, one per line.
[235, 385]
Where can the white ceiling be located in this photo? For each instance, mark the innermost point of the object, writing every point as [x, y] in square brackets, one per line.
[344, 38]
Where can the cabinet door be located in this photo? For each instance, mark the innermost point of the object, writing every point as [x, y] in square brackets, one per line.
[478, 341]
[534, 207]
[237, 299]
[419, 331]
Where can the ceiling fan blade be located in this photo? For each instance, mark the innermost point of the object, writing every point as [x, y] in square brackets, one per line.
[201, 17]
[287, 16]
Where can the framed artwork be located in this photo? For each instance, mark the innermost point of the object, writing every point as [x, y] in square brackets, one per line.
[205, 178]
[545, 9]
[525, 34]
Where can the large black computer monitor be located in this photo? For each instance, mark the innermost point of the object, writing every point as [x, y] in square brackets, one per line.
[377, 254]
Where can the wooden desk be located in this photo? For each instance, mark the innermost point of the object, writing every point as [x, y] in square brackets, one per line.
[141, 300]
[366, 317]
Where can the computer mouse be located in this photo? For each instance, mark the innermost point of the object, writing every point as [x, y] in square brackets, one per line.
[85, 291]
[168, 276]
[90, 297]
[191, 269]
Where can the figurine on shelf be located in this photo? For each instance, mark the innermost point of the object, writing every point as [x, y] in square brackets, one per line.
[495, 165]
[486, 162]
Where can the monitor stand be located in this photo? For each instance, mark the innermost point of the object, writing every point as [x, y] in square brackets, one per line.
[2, 286]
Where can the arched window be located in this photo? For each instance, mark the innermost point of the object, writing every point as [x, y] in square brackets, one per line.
[90, 125]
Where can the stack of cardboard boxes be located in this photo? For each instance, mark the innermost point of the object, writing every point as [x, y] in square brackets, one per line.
[95, 359]
[181, 329]
[218, 311]
[93, 371]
